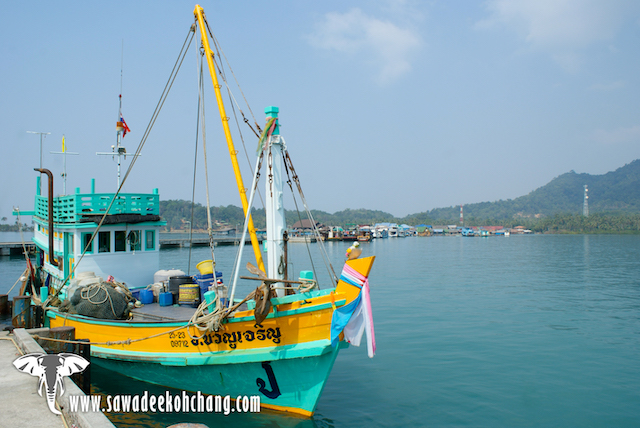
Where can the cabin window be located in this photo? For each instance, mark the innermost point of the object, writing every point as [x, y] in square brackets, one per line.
[135, 243]
[87, 243]
[121, 240]
[104, 242]
[151, 240]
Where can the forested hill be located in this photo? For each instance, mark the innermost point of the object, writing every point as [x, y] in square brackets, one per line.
[615, 191]
[177, 214]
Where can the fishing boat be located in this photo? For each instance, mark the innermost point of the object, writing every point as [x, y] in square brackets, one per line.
[468, 232]
[278, 343]
[335, 233]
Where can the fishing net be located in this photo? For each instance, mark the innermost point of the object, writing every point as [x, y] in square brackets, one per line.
[104, 300]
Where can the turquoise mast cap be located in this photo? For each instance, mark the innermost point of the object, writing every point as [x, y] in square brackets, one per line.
[272, 111]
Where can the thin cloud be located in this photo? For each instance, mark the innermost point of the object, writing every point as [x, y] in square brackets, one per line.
[563, 28]
[608, 87]
[356, 33]
[617, 136]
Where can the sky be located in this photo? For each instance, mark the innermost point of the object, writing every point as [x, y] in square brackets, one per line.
[399, 106]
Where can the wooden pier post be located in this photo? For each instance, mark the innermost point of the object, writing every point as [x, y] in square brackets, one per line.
[4, 304]
[36, 318]
[21, 316]
[63, 333]
[83, 379]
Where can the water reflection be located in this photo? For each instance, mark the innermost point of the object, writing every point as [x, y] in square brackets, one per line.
[108, 383]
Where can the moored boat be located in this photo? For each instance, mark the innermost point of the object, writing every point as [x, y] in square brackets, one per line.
[278, 343]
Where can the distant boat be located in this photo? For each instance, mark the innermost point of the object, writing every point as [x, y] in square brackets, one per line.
[335, 234]
[364, 236]
[380, 231]
[468, 232]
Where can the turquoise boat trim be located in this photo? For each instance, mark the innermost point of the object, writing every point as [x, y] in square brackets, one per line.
[115, 323]
[301, 296]
[94, 225]
[279, 314]
[294, 297]
[303, 310]
[70, 208]
[300, 350]
[31, 213]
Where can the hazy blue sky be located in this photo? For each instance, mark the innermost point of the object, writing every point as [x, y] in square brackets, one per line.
[400, 106]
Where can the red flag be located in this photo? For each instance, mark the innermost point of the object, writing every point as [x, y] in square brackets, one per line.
[124, 126]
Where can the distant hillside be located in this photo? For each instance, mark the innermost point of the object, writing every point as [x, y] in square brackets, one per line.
[616, 191]
[177, 214]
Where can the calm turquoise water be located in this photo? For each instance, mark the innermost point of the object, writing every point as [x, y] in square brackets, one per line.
[540, 330]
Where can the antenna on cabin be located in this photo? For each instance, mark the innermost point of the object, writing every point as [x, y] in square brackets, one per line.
[119, 150]
[121, 129]
[461, 216]
[585, 205]
[42, 134]
[64, 153]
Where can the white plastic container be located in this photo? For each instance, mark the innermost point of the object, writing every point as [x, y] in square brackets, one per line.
[162, 276]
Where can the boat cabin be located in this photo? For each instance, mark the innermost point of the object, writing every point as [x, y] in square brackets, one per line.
[126, 246]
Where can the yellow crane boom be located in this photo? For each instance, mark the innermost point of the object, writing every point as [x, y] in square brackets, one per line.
[199, 13]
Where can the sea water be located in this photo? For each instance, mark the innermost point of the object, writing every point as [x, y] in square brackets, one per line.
[519, 331]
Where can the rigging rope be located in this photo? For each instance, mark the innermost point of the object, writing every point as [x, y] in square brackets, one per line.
[206, 163]
[219, 50]
[289, 163]
[234, 102]
[195, 160]
[313, 267]
[152, 121]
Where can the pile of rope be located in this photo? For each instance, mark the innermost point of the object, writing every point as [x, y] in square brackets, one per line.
[207, 319]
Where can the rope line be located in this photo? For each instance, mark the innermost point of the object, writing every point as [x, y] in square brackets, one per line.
[152, 121]
[325, 257]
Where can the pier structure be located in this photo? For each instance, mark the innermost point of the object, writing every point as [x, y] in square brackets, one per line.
[20, 403]
[16, 248]
[201, 242]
